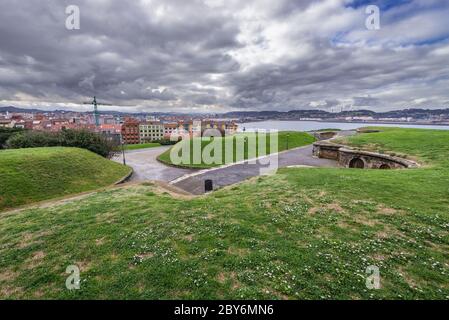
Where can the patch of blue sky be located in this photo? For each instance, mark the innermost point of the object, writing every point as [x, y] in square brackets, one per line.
[411, 6]
[391, 13]
[382, 4]
[339, 38]
[435, 40]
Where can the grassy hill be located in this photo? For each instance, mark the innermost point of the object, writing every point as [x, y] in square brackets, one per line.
[29, 175]
[306, 233]
[290, 139]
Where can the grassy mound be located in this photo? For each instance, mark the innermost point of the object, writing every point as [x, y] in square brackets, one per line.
[305, 233]
[29, 175]
[430, 146]
[286, 139]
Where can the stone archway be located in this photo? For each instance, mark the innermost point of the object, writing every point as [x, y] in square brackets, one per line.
[356, 163]
[384, 166]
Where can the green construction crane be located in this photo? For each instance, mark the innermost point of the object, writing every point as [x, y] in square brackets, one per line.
[96, 113]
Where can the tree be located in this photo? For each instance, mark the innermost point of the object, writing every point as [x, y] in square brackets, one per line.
[85, 139]
[32, 139]
[6, 133]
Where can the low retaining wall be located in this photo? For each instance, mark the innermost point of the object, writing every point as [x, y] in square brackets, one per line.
[326, 150]
[363, 159]
[351, 158]
[324, 135]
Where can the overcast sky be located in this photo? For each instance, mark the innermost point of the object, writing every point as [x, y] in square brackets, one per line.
[225, 55]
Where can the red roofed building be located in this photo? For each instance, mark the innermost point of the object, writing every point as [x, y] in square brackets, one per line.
[109, 128]
[130, 131]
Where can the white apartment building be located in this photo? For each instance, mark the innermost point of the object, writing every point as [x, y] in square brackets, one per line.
[151, 131]
[170, 128]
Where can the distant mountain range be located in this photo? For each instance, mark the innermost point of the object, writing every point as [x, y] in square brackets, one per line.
[19, 110]
[12, 109]
[291, 115]
[321, 114]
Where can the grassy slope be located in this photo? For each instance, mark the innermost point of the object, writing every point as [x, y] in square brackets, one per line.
[303, 233]
[29, 175]
[295, 139]
[142, 146]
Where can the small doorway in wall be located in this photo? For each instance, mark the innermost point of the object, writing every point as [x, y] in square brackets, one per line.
[356, 163]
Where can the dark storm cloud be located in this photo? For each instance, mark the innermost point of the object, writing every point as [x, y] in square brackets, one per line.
[220, 55]
[122, 52]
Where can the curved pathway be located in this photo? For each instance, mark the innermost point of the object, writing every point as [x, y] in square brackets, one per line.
[146, 167]
[231, 174]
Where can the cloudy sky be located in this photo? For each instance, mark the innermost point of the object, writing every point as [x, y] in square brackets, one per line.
[225, 55]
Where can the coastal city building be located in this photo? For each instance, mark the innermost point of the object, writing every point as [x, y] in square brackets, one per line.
[151, 131]
[6, 123]
[170, 128]
[130, 131]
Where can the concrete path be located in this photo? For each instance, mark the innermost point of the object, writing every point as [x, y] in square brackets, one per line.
[228, 175]
[224, 176]
[146, 166]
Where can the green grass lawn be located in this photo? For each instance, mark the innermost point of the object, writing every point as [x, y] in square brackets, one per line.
[305, 233]
[29, 175]
[290, 139]
[141, 146]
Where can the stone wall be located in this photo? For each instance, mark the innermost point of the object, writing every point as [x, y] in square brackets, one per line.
[324, 135]
[351, 158]
[326, 150]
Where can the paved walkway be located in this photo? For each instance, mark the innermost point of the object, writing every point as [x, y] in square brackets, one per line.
[146, 166]
[194, 183]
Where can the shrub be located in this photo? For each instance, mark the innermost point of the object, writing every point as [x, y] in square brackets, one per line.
[6, 133]
[33, 139]
[167, 142]
[85, 139]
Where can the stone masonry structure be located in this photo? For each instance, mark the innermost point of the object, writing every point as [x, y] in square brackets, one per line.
[351, 158]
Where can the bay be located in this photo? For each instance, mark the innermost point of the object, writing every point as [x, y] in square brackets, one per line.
[319, 125]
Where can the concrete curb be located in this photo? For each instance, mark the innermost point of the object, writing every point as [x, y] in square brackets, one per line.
[177, 165]
[125, 178]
